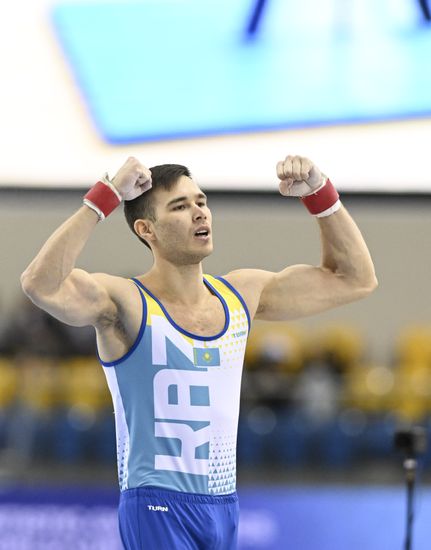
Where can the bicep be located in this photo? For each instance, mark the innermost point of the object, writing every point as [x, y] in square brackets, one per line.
[82, 299]
[303, 290]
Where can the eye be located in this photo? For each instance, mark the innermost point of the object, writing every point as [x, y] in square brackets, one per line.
[180, 207]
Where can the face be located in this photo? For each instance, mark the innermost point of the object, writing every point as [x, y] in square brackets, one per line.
[182, 231]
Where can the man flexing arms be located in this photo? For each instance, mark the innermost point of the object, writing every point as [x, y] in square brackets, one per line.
[172, 340]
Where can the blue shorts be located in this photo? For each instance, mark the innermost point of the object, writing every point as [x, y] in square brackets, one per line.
[158, 519]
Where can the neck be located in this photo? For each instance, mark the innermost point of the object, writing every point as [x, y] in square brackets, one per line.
[176, 283]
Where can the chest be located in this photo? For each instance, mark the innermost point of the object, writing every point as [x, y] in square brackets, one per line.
[203, 321]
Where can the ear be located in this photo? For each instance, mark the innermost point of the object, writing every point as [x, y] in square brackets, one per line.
[144, 228]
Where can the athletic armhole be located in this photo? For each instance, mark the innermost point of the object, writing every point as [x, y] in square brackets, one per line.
[139, 336]
[240, 298]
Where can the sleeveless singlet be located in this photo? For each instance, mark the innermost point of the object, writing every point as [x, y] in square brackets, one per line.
[176, 399]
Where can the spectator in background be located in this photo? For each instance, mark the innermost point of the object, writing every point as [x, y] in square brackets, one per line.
[33, 331]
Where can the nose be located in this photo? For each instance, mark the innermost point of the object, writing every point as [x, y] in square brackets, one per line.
[198, 213]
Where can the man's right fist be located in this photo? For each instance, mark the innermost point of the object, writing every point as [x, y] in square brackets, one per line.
[132, 179]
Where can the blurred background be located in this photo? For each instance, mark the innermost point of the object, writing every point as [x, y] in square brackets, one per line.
[227, 88]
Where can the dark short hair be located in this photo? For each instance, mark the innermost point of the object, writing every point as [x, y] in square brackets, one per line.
[164, 176]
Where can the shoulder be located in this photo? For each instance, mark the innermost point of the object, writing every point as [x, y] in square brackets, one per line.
[250, 283]
[123, 292]
[111, 281]
[116, 286]
[249, 279]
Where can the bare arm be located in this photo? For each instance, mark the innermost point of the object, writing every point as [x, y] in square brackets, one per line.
[346, 274]
[54, 283]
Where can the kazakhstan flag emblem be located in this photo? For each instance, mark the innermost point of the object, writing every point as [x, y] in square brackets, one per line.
[206, 357]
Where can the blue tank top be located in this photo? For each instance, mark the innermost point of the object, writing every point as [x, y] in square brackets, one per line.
[176, 399]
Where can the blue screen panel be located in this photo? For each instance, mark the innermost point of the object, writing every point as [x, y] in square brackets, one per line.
[161, 69]
[298, 518]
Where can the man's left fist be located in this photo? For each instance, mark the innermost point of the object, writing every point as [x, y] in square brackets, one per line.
[299, 177]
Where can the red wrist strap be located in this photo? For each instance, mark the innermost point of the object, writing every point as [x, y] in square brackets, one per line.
[324, 199]
[102, 199]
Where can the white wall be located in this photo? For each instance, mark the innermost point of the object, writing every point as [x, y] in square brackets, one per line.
[48, 138]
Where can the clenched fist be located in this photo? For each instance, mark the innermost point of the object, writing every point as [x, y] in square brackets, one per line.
[298, 176]
[132, 179]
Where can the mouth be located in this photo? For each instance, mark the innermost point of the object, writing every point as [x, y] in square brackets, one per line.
[202, 234]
